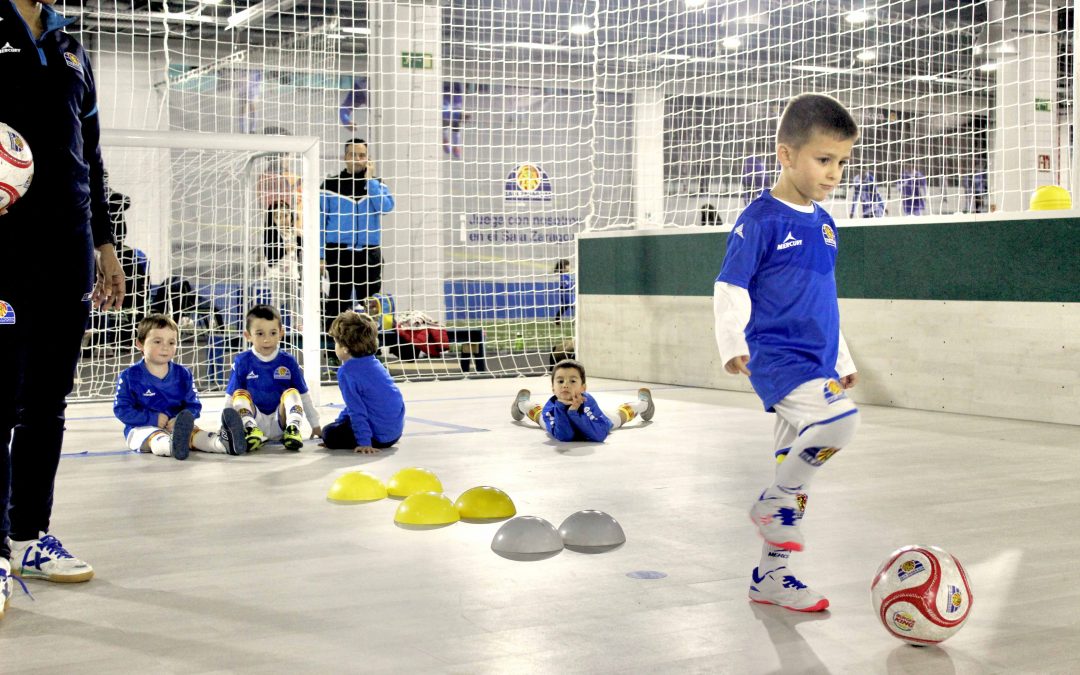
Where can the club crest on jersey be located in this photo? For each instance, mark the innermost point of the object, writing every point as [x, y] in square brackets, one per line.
[828, 234]
[909, 568]
[7, 313]
[281, 373]
[73, 61]
[834, 391]
[789, 242]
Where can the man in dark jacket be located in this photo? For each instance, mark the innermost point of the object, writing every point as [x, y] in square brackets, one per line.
[47, 281]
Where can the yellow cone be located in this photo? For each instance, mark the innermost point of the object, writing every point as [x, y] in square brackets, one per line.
[356, 486]
[485, 503]
[426, 508]
[411, 481]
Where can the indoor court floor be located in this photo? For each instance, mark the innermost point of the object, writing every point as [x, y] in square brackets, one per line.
[240, 564]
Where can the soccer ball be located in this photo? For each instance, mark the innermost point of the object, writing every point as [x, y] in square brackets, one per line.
[16, 166]
[921, 594]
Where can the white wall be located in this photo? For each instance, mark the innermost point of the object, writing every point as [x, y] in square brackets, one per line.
[1000, 359]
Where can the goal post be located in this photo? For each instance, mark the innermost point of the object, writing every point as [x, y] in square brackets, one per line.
[236, 154]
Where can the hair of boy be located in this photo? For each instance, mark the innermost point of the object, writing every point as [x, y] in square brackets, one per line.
[152, 321]
[265, 312]
[807, 113]
[357, 333]
[569, 363]
[354, 141]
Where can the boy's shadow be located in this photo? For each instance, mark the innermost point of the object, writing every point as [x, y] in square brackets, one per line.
[324, 463]
[792, 649]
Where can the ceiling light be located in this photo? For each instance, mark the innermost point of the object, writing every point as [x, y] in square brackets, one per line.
[731, 43]
[356, 30]
[867, 55]
[858, 16]
[989, 66]
[580, 29]
[695, 3]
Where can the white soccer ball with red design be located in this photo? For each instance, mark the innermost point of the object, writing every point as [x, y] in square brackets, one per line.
[921, 594]
[16, 166]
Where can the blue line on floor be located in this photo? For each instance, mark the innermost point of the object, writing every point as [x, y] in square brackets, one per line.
[86, 453]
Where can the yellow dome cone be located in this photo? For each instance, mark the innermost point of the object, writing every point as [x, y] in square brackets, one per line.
[356, 486]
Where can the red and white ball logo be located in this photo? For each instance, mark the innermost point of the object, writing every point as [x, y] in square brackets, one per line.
[921, 594]
[16, 166]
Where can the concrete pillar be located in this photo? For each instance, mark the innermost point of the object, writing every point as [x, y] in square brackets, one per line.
[405, 75]
[649, 156]
[1022, 141]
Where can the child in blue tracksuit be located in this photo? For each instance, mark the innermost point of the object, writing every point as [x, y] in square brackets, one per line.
[374, 414]
[156, 400]
[571, 414]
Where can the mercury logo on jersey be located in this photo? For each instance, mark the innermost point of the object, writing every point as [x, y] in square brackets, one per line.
[738, 231]
[8, 49]
[788, 242]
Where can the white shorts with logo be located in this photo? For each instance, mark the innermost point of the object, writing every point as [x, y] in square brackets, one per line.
[137, 436]
[809, 403]
[270, 424]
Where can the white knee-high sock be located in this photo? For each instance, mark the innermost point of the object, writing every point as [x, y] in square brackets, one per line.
[208, 441]
[161, 444]
[242, 403]
[294, 407]
[813, 447]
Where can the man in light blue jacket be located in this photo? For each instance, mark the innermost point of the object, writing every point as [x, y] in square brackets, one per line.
[352, 204]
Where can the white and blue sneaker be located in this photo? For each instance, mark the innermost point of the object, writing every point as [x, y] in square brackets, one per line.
[46, 558]
[7, 585]
[777, 519]
[780, 587]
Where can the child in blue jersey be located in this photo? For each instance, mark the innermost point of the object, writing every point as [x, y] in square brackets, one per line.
[571, 414]
[374, 414]
[267, 387]
[778, 322]
[156, 400]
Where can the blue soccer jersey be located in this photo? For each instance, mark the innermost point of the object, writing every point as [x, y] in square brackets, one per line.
[373, 403]
[587, 423]
[785, 260]
[140, 395]
[266, 381]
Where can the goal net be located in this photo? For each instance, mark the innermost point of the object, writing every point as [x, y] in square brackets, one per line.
[504, 129]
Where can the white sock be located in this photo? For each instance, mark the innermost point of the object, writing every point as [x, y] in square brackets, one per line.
[243, 404]
[525, 406]
[771, 558]
[814, 446]
[161, 444]
[637, 405]
[294, 408]
[208, 441]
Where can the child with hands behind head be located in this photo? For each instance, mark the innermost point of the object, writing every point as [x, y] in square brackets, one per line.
[156, 400]
[374, 414]
[572, 414]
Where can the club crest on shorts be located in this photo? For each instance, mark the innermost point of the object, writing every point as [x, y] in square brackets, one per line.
[7, 313]
[834, 391]
[281, 373]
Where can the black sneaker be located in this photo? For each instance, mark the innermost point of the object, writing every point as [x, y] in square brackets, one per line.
[183, 427]
[231, 432]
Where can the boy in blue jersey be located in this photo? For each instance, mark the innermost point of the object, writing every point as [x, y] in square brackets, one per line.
[374, 414]
[571, 414]
[156, 400]
[267, 386]
[778, 322]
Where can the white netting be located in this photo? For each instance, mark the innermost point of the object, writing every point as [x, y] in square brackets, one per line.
[504, 127]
